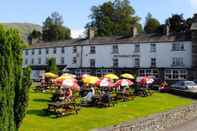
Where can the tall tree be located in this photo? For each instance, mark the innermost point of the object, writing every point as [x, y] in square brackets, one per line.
[151, 24]
[53, 29]
[13, 87]
[178, 23]
[52, 67]
[113, 18]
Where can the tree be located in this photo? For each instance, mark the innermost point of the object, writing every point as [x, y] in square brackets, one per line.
[113, 18]
[52, 67]
[53, 29]
[14, 81]
[35, 34]
[151, 24]
[178, 23]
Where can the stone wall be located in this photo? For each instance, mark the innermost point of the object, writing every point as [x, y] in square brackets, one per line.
[159, 121]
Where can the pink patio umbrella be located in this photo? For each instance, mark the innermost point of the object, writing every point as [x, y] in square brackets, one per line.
[123, 82]
[104, 82]
[69, 83]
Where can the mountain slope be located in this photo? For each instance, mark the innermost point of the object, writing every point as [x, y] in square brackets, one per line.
[24, 28]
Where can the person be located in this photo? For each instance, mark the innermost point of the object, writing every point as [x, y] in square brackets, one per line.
[105, 97]
[59, 95]
[68, 94]
[81, 92]
[163, 86]
[125, 92]
[89, 97]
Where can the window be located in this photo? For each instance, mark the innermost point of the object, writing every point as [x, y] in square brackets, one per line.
[62, 50]
[26, 61]
[62, 60]
[92, 62]
[92, 50]
[54, 50]
[177, 61]
[115, 49]
[175, 74]
[39, 61]
[153, 48]
[46, 62]
[153, 62]
[177, 46]
[74, 49]
[115, 63]
[137, 62]
[149, 72]
[74, 60]
[32, 61]
[32, 52]
[137, 48]
[40, 51]
[47, 51]
[26, 52]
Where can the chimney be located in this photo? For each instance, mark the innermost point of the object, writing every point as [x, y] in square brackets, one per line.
[167, 30]
[134, 31]
[30, 40]
[91, 33]
[194, 22]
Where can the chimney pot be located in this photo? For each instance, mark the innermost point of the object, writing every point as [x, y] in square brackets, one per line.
[91, 33]
[134, 31]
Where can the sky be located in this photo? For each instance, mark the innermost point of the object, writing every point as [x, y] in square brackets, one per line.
[76, 12]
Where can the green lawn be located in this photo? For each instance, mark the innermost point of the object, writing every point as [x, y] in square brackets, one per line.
[89, 118]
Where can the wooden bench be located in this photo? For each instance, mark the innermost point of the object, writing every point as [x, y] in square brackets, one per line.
[63, 108]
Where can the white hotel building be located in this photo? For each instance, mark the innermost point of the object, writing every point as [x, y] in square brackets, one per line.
[168, 56]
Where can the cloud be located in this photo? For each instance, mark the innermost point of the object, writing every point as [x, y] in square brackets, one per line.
[194, 6]
[76, 33]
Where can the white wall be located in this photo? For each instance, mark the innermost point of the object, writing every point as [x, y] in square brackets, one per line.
[104, 56]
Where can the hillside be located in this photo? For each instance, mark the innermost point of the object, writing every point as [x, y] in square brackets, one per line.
[24, 28]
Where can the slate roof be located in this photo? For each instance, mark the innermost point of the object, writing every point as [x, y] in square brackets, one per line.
[141, 38]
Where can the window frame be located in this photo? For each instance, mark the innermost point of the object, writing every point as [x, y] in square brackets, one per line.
[115, 62]
[115, 49]
[137, 48]
[92, 63]
[54, 50]
[92, 49]
[153, 47]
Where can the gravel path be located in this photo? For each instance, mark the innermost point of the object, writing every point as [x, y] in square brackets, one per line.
[188, 126]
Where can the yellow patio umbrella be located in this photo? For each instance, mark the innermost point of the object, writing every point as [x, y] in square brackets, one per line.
[50, 75]
[90, 80]
[64, 77]
[68, 74]
[111, 76]
[128, 76]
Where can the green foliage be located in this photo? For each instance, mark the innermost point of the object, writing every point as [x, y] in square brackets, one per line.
[35, 34]
[53, 29]
[24, 28]
[151, 24]
[22, 98]
[11, 83]
[113, 18]
[178, 23]
[52, 67]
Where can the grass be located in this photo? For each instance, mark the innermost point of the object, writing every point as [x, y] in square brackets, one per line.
[90, 118]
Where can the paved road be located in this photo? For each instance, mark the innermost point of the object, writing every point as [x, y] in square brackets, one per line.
[188, 126]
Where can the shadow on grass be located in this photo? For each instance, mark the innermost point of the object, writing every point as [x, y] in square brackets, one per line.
[41, 100]
[45, 113]
[42, 113]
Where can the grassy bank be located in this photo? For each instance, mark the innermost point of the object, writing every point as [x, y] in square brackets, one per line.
[89, 118]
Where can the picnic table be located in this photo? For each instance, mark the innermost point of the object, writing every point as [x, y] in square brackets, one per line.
[125, 97]
[61, 108]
